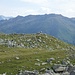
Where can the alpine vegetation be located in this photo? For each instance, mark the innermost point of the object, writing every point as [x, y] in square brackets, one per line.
[35, 54]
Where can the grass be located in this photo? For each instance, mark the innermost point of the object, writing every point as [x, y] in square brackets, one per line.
[27, 59]
[48, 47]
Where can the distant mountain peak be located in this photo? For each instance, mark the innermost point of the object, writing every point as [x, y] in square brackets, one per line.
[4, 18]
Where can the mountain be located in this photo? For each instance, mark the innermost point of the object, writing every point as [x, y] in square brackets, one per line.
[4, 18]
[56, 25]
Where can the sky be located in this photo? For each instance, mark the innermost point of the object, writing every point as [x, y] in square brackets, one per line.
[37, 7]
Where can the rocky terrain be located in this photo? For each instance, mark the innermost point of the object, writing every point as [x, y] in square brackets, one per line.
[35, 54]
[37, 40]
[65, 68]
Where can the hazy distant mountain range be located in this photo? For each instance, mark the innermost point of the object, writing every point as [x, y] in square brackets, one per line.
[54, 24]
[4, 18]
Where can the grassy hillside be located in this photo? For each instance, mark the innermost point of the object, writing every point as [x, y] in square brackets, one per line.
[38, 40]
[27, 59]
[32, 54]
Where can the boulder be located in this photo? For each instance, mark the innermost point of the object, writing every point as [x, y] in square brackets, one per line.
[70, 68]
[45, 74]
[50, 60]
[64, 62]
[66, 73]
[58, 68]
[30, 73]
[50, 72]
[72, 72]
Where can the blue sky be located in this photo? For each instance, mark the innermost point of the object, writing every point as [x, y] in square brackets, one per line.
[35, 7]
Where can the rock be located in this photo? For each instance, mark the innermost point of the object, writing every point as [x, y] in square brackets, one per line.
[44, 63]
[22, 45]
[64, 62]
[39, 40]
[43, 69]
[11, 43]
[68, 62]
[29, 73]
[70, 68]
[57, 74]
[20, 72]
[36, 72]
[72, 72]
[37, 60]
[1, 41]
[45, 74]
[50, 59]
[67, 58]
[26, 72]
[17, 58]
[37, 64]
[4, 74]
[44, 41]
[28, 40]
[51, 72]
[59, 68]
[66, 73]
[58, 61]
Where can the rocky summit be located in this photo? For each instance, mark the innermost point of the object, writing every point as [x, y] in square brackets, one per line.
[35, 54]
[37, 40]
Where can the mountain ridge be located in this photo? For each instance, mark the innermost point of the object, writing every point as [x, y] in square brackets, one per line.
[53, 24]
[4, 17]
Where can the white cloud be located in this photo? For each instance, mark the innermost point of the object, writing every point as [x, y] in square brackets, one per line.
[31, 12]
[26, 7]
[64, 7]
[46, 10]
[35, 1]
[38, 2]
